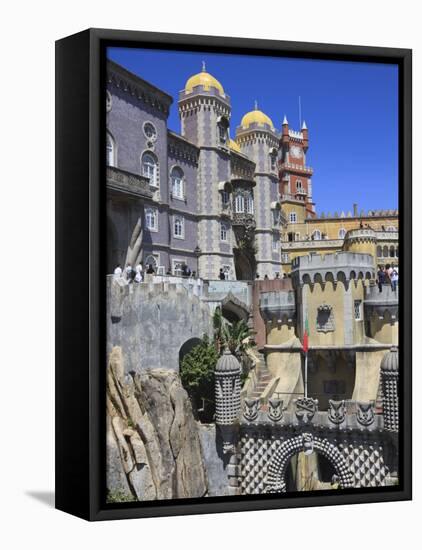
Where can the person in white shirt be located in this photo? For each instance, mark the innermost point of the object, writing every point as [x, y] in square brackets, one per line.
[117, 273]
[139, 269]
[138, 273]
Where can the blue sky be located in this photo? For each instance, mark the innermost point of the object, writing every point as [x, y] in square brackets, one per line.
[351, 110]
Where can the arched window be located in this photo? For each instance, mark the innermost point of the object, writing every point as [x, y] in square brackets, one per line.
[110, 150]
[151, 259]
[239, 204]
[292, 217]
[223, 232]
[299, 186]
[392, 251]
[151, 219]
[342, 233]
[150, 168]
[249, 203]
[273, 159]
[179, 227]
[316, 235]
[225, 197]
[379, 251]
[176, 178]
[223, 126]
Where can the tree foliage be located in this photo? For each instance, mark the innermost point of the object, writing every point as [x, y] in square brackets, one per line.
[197, 374]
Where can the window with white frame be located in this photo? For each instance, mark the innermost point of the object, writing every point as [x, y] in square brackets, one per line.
[316, 235]
[299, 186]
[249, 203]
[342, 233]
[179, 227]
[151, 219]
[239, 204]
[150, 168]
[152, 259]
[110, 150]
[292, 217]
[223, 232]
[285, 258]
[176, 178]
[223, 126]
[358, 310]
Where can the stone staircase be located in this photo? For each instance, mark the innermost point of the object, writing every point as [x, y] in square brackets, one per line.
[260, 377]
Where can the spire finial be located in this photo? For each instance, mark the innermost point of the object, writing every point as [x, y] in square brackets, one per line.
[304, 127]
[256, 105]
[285, 120]
[203, 67]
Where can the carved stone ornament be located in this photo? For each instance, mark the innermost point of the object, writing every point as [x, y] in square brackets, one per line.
[275, 409]
[336, 411]
[251, 409]
[365, 415]
[306, 407]
[308, 443]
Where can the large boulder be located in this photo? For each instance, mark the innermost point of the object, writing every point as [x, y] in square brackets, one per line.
[153, 444]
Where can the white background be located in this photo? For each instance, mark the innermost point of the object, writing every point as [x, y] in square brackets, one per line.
[27, 36]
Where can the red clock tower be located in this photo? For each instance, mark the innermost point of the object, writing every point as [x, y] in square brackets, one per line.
[295, 176]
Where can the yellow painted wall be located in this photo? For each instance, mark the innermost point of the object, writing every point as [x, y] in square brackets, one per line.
[383, 330]
[335, 298]
[279, 334]
[367, 375]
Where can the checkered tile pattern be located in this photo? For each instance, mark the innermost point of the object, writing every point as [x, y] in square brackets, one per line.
[366, 464]
[255, 456]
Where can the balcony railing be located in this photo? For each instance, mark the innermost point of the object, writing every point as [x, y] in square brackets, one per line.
[127, 183]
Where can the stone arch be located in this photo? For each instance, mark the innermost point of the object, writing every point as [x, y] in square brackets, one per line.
[234, 309]
[187, 347]
[277, 468]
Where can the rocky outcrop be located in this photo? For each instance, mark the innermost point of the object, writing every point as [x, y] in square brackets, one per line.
[153, 444]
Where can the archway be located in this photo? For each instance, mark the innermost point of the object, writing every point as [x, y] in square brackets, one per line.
[187, 347]
[276, 476]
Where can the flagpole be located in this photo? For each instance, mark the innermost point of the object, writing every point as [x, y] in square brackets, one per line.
[306, 374]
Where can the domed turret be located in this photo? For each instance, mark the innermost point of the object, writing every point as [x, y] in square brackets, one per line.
[203, 79]
[227, 389]
[390, 361]
[256, 117]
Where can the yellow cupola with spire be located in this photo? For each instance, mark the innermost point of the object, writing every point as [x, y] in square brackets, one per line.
[203, 79]
[256, 117]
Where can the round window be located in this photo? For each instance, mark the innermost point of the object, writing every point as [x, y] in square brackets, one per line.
[150, 131]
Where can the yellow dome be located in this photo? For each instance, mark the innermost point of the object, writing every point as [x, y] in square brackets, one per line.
[256, 117]
[203, 79]
[233, 145]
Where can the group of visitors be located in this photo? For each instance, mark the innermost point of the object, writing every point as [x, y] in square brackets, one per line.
[388, 275]
[132, 274]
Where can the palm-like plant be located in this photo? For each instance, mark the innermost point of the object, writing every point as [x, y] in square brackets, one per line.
[237, 337]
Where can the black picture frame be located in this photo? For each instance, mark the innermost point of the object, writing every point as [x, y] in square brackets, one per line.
[80, 289]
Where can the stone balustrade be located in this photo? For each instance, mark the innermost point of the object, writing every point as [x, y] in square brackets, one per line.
[130, 184]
